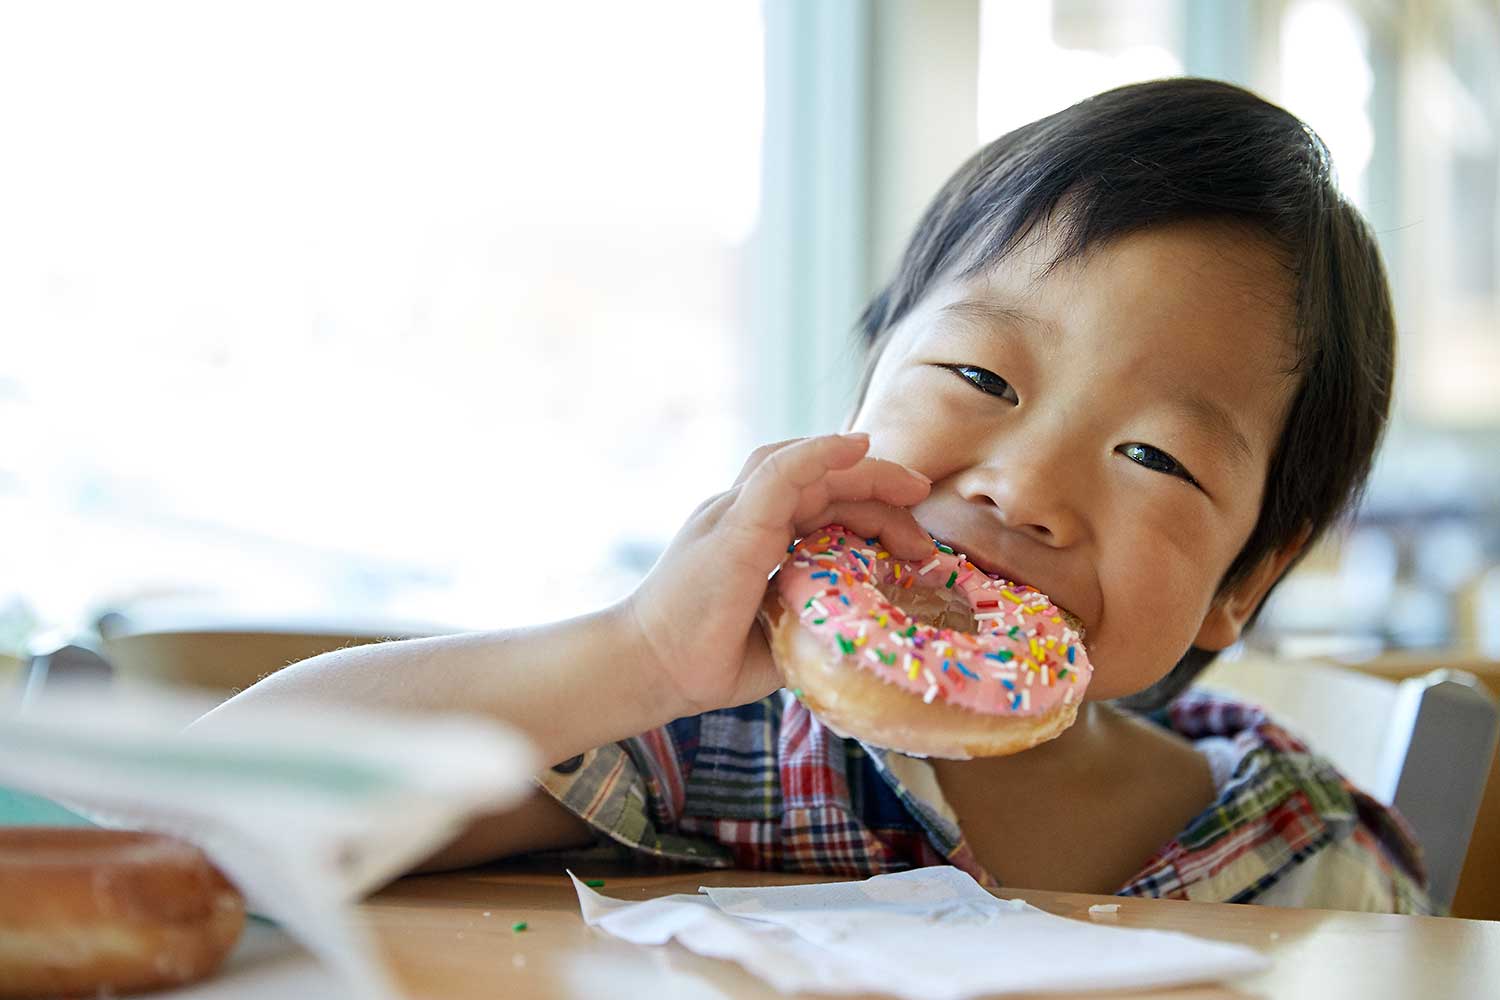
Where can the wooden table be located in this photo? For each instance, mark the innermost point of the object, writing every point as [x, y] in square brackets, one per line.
[450, 936]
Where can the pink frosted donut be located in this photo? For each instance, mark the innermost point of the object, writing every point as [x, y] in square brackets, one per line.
[933, 658]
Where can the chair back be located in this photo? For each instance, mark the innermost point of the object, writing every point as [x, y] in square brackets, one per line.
[1423, 744]
[1441, 737]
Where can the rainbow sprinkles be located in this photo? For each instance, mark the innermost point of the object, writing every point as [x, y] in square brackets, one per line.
[1017, 654]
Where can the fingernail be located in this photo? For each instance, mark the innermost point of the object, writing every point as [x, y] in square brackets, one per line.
[919, 475]
[856, 435]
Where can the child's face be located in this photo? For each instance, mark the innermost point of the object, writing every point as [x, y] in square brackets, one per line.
[1061, 417]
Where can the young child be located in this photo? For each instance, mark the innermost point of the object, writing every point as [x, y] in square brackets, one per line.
[1137, 355]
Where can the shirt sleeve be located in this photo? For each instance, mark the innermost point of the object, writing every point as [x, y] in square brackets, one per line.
[1287, 828]
[1348, 875]
[631, 794]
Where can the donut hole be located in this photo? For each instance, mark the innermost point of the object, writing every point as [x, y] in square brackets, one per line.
[935, 606]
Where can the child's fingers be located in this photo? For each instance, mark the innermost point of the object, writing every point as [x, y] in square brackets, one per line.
[885, 479]
[759, 455]
[799, 486]
[870, 479]
[769, 497]
[712, 507]
[898, 532]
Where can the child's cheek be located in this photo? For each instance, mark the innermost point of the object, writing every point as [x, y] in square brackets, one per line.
[913, 417]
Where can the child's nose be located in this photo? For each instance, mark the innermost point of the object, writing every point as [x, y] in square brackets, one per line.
[1029, 494]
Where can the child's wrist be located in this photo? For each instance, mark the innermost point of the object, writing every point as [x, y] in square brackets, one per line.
[652, 678]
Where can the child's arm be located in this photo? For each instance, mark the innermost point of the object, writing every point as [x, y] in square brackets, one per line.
[570, 686]
[685, 642]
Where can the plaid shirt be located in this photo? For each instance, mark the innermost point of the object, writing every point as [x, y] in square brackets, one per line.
[767, 786]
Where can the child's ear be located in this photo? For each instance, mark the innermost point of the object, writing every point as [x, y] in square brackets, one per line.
[1230, 611]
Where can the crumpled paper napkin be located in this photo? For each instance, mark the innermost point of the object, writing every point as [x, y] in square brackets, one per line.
[927, 934]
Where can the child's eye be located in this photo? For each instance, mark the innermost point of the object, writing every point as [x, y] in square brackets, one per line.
[987, 381]
[1156, 459]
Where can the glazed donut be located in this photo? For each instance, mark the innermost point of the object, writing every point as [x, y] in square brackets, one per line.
[85, 912]
[933, 659]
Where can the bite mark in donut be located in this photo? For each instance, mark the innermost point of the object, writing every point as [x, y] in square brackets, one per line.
[933, 658]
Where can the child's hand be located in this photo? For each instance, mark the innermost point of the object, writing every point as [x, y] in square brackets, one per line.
[696, 610]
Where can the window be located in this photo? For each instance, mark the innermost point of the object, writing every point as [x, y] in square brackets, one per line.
[407, 313]
[1038, 58]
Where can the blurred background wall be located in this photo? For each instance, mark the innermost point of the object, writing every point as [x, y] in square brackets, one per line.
[446, 315]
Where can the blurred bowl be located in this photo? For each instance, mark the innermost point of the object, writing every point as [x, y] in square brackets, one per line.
[221, 660]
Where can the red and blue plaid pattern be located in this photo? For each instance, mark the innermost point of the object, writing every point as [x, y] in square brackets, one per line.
[766, 786]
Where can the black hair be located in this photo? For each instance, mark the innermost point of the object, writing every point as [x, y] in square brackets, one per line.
[1175, 150]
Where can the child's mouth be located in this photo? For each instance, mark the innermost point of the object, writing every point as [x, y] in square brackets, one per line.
[996, 571]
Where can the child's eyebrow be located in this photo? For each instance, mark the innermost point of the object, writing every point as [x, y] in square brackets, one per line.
[1193, 404]
[988, 312]
[1219, 421]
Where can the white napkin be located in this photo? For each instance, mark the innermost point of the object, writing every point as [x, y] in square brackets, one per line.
[926, 934]
[304, 810]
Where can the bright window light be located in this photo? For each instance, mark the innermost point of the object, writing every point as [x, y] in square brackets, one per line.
[416, 311]
[1326, 81]
[1026, 74]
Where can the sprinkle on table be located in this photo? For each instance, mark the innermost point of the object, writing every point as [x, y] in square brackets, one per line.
[594, 883]
[518, 926]
[796, 693]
